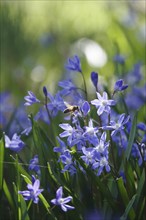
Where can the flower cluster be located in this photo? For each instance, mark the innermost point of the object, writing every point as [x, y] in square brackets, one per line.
[93, 131]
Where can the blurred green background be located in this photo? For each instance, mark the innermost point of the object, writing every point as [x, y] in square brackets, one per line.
[37, 37]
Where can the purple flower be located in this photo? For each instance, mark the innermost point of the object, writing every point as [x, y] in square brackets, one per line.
[90, 130]
[141, 126]
[139, 152]
[119, 86]
[88, 156]
[45, 91]
[102, 145]
[74, 64]
[62, 146]
[15, 144]
[56, 104]
[101, 164]
[33, 164]
[94, 79]
[31, 99]
[85, 108]
[119, 59]
[102, 103]
[62, 202]
[33, 191]
[66, 159]
[67, 86]
[68, 132]
[42, 115]
[6, 108]
[117, 126]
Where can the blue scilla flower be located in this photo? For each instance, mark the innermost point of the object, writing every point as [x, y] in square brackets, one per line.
[102, 103]
[68, 132]
[119, 59]
[121, 141]
[34, 165]
[30, 99]
[90, 132]
[100, 164]
[62, 146]
[136, 98]
[42, 115]
[119, 85]
[101, 146]
[6, 108]
[56, 104]
[85, 108]
[33, 191]
[62, 202]
[20, 122]
[74, 64]
[94, 79]
[15, 144]
[139, 152]
[119, 125]
[90, 129]
[67, 86]
[135, 75]
[88, 155]
[69, 164]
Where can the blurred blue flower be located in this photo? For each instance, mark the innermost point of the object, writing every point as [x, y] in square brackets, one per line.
[34, 165]
[42, 115]
[121, 141]
[62, 146]
[20, 121]
[33, 191]
[6, 108]
[15, 144]
[135, 75]
[74, 64]
[62, 202]
[94, 79]
[56, 104]
[45, 91]
[30, 99]
[67, 86]
[119, 86]
[139, 152]
[136, 98]
[102, 103]
[119, 59]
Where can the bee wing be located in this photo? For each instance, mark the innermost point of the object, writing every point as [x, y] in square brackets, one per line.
[67, 104]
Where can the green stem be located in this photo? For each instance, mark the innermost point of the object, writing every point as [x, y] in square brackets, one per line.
[29, 204]
[85, 88]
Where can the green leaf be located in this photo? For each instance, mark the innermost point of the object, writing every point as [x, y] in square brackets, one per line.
[128, 208]
[130, 141]
[125, 198]
[21, 205]
[8, 194]
[140, 199]
[2, 149]
[131, 137]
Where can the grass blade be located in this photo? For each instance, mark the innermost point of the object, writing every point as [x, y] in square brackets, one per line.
[2, 149]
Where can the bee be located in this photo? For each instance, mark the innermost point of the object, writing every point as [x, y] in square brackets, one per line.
[70, 108]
